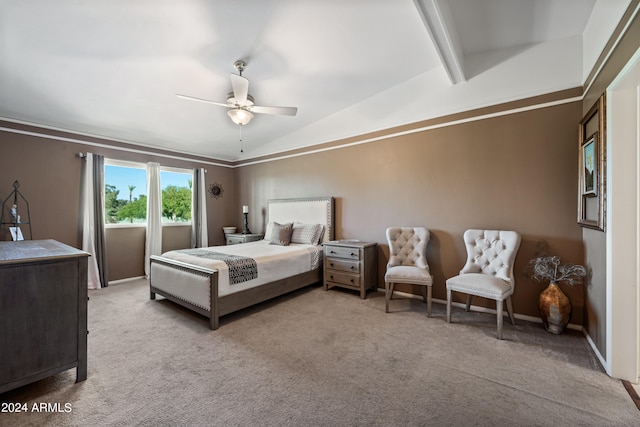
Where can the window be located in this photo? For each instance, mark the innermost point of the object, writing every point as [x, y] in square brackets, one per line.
[176, 195]
[125, 189]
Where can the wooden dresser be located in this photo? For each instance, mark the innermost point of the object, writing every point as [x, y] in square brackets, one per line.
[351, 264]
[43, 311]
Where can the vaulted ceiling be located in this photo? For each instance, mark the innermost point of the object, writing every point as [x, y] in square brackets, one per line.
[112, 68]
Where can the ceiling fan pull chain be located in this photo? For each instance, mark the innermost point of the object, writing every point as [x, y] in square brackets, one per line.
[241, 150]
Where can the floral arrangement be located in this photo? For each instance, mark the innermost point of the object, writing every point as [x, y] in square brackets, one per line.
[548, 268]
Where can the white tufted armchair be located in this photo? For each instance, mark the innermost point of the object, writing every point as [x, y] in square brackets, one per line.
[488, 272]
[408, 262]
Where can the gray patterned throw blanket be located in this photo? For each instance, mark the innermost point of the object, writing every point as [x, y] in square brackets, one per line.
[241, 269]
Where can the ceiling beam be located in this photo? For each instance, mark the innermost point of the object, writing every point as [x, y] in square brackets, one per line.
[439, 23]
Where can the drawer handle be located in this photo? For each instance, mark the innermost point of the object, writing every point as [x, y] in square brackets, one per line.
[331, 264]
[351, 280]
[352, 254]
[332, 252]
[331, 277]
[352, 267]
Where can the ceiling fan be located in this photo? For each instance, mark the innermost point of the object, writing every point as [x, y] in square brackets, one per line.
[240, 102]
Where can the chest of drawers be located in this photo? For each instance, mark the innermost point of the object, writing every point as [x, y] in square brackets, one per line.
[43, 307]
[350, 264]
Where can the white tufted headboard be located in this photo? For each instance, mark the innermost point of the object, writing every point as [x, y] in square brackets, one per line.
[313, 210]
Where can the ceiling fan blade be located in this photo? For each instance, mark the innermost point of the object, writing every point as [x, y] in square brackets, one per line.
[281, 111]
[206, 101]
[240, 89]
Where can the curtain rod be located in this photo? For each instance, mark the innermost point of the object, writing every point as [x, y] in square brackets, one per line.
[84, 156]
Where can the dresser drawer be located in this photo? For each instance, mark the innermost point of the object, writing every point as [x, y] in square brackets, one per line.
[238, 238]
[343, 278]
[343, 265]
[234, 240]
[342, 252]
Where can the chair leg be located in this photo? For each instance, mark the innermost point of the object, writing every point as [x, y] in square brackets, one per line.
[499, 314]
[448, 305]
[388, 290]
[468, 303]
[426, 296]
[510, 311]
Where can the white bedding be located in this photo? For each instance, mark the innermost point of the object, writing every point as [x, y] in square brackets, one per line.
[274, 262]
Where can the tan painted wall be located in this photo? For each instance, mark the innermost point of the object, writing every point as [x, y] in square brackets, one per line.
[126, 246]
[517, 171]
[49, 174]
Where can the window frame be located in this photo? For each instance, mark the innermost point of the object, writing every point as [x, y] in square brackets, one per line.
[185, 171]
[143, 166]
[123, 164]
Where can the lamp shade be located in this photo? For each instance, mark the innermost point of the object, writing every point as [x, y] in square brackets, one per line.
[240, 116]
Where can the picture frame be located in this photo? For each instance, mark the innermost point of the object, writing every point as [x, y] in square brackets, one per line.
[589, 165]
[16, 233]
[592, 167]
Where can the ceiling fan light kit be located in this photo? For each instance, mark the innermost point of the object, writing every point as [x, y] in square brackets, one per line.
[240, 116]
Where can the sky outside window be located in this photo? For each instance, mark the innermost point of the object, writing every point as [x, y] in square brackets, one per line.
[127, 204]
[121, 177]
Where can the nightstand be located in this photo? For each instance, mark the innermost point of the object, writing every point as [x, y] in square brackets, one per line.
[236, 238]
[351, 264]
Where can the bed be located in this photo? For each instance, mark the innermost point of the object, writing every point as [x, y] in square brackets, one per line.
[219, 280]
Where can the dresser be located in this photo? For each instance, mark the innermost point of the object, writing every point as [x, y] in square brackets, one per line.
[43, 311]
[236, 238]
[351, 264]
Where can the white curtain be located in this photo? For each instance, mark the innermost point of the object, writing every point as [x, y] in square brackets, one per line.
[89, 223]
[199, 233]
[153, 245]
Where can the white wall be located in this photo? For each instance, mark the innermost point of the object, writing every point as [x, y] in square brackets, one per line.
[623, 223]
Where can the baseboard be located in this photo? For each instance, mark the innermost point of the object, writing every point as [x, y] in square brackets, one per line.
[593, 346]
[482, 309]
[129, 279]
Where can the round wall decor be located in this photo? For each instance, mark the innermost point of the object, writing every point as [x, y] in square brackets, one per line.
[216, 190]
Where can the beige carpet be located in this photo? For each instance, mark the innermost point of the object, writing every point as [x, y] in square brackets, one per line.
[317, 358]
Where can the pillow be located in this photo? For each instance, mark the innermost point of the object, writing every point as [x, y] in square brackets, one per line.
[322, 237]
[281, 234]
[325, 234]
[307, 234]
[268, 231]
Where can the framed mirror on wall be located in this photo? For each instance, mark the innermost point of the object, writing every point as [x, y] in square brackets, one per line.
[591, 167]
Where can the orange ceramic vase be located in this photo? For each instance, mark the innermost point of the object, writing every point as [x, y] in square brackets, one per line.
[555, 309]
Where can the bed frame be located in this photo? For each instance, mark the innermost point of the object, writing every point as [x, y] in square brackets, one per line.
[306, 210]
